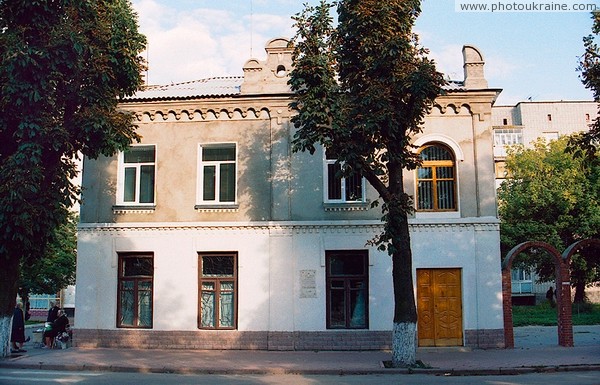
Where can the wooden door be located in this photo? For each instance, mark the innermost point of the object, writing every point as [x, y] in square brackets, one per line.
[439, 307]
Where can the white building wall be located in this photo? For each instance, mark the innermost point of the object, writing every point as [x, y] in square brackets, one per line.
[272, 261]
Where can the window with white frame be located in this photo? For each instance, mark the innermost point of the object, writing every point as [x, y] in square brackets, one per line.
[505, 137]
[217, 179]
[436, 179]
[522, 281]
[339, 189]
[508, 136]
[137, 167]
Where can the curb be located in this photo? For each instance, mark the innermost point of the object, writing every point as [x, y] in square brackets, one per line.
[283, 371]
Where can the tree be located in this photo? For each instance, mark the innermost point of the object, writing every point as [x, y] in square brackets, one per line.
[363, 89]
[56, 270]
[586, 144]
[64, 65]
[549, 196]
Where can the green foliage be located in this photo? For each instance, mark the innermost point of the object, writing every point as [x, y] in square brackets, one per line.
[550, 196]
[586, 144]
[363, 89]
[64, 65]
[56, 270]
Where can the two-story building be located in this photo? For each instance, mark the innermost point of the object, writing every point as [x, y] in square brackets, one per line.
[212, 234]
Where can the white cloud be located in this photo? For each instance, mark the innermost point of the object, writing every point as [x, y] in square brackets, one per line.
[200, 43]
[501, 68]
[449, 61]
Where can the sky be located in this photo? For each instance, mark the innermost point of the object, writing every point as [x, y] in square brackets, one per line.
[529, 55]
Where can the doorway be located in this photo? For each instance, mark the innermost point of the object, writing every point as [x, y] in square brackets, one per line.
[439, 307]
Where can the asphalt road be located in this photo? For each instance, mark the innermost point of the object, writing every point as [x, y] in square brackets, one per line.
[28, 377]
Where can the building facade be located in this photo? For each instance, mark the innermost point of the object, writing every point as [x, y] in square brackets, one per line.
[523, 124]
[212, 234]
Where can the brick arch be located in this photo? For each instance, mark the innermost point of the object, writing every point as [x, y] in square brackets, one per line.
[563, 295]
[577, 246]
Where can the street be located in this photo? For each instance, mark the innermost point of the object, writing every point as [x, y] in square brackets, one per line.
[28, 377]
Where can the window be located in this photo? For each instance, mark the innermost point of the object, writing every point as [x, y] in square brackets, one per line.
[136, 174]
[340, 189]
[436, 179]
[135, 294]
[347, 289]
[217, 181]
[218, 287]
[508, 136]
[504, 137]
[521, 281]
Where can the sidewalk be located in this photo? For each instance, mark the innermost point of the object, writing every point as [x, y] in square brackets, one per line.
[534, 357]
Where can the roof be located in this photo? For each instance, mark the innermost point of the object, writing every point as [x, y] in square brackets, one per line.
[211, 87]
[215, 87]
[454, 85]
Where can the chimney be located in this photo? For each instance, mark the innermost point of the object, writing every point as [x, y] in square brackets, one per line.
[473, 66]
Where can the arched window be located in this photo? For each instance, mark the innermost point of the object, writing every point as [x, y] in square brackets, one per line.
[436, 179]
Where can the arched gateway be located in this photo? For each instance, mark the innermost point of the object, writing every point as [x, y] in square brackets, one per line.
[563, 293]
[563, 287]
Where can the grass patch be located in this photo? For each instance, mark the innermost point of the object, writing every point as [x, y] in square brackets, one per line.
[545, 315]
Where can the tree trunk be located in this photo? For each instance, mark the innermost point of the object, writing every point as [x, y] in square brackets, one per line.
[8, 295]
[579, 292]
[404, 349]
[398, 203]
[5, 328]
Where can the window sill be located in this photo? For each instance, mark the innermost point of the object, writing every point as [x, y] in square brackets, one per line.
[122, 209]
[437, 214]
[217, 208]
[354, 206]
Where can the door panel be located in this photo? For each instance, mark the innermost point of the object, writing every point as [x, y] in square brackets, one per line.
[439, 307]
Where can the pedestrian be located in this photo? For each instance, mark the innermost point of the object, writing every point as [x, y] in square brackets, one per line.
[17, 335]
[52, 312]
[550, 296]
[59, 326]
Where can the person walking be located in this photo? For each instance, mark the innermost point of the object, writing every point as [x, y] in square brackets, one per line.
[17, 335]
[550, 294]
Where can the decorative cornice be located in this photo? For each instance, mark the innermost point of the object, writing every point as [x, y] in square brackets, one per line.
[360, 206]
[217, 208]
[133, 209]
[203, 110]
[453, 107]
[288, 228]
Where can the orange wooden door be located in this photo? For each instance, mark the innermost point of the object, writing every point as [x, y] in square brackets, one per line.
[439, 307]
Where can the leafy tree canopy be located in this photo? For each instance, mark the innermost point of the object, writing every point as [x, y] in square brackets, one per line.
[56, 270]
[587, 144]
[64, 65]
[363, 88]
[549, 196]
